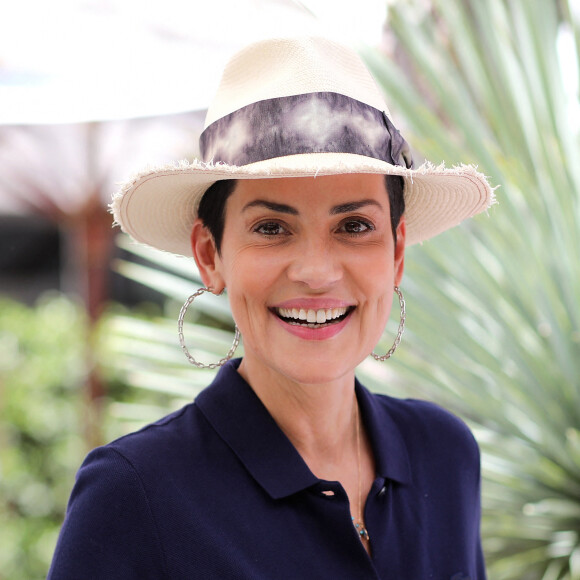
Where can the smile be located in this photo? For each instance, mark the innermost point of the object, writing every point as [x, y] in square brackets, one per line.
[310, 318]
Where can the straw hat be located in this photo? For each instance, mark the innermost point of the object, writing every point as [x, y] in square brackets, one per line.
[295, 107]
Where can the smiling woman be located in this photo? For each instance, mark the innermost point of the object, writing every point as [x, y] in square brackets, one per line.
[286, 466]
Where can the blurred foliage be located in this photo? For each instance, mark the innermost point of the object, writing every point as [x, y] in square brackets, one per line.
[494, 305]
[42, 369]
[45, 353]
[141, 352]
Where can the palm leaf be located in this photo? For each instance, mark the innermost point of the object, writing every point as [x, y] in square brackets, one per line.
[494, 304]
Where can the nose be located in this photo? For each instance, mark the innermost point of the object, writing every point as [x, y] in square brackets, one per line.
[316, 265]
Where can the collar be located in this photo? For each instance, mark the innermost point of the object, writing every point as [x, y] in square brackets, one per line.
[391, 454]
[238, 416]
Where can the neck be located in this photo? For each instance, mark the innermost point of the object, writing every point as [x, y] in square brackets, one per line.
[319, 419]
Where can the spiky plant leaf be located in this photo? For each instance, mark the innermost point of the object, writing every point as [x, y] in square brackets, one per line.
[493, 306]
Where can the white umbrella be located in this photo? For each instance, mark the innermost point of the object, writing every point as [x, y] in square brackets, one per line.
[83, 60]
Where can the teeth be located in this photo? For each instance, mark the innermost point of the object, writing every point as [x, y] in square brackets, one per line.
[319, 316]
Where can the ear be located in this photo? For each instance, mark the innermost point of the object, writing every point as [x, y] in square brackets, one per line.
[400, 251]
[206, 257]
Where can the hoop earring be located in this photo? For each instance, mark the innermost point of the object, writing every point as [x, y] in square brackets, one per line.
[190, 358]
[399, 332]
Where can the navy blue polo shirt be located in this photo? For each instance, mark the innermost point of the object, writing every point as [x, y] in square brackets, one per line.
[216, 490]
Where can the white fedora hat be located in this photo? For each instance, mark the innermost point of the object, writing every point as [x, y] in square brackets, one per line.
[295, 107]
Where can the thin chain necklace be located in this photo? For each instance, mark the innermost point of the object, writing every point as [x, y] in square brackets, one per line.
[359, 526]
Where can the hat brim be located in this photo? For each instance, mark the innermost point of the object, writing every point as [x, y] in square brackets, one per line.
[158, 206]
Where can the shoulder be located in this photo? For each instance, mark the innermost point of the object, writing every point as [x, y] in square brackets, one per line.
[124, 461]
[141, 460]
[164, 438]
[430, 431]
[423, 416]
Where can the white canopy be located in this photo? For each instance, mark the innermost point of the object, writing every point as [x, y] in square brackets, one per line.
[68, 61]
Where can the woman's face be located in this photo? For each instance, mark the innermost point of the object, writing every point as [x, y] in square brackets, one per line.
[309, 265]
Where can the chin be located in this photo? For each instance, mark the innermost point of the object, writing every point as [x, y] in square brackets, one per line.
[317, 371]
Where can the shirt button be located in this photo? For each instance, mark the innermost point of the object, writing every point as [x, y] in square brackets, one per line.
[383, 491]
[328, 492]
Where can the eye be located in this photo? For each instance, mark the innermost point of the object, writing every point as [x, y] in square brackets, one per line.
[270, 229]
[356, 227]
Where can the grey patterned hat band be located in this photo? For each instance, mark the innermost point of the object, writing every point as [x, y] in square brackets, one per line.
[319, 122]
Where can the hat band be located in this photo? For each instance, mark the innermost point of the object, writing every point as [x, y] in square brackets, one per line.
[323, 122]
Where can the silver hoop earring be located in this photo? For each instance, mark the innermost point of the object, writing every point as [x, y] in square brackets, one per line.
[190, 358]
[400, 331]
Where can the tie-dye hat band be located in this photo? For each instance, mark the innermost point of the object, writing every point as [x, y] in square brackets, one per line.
[322, 122]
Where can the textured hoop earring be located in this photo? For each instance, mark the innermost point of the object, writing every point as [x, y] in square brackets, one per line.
[190, 358]
[399, 332]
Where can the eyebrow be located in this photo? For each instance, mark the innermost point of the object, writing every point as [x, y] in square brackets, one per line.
[279, 207]
[353, 206]
[287, 209]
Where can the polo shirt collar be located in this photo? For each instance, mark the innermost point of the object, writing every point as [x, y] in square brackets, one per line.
[391, 454]
[241, 420]
[245, 425]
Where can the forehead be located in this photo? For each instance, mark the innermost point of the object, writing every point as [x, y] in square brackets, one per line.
[313, 191]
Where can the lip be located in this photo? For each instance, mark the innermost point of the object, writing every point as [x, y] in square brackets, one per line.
[306, 333]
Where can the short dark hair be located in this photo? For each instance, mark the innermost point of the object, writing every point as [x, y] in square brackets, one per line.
[212, 207]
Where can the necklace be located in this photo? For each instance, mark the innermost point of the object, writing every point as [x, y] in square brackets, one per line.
[359, 526]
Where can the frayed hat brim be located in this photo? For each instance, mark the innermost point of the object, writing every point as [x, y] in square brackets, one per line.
[158, 206]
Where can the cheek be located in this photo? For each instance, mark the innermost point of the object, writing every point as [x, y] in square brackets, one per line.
[376, 270]
[249, 280]
[377, 282]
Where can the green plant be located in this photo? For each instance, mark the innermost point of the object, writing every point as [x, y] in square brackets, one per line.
[42, 368]
[494, 313]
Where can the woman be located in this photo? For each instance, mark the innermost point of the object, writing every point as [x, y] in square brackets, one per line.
[286, 466]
